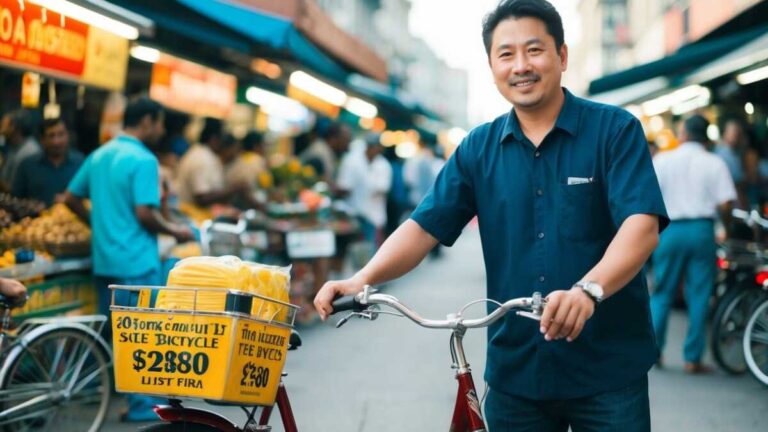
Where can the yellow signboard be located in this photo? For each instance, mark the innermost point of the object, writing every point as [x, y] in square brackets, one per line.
[211, 357]
[106, 60]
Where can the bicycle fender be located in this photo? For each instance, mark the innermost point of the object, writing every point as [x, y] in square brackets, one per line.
[24, 340]
[168, 413]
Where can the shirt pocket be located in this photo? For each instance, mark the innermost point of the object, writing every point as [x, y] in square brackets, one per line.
[579, 211]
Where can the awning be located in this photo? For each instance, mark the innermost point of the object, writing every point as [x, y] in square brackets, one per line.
[683, 61]
[273, 31]
[751, 54]
[316, 25]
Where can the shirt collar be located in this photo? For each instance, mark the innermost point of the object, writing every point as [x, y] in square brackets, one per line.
[567, 120]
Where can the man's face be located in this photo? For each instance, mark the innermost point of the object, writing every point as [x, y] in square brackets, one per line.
[55, 140]
[340, 142]
[526, 65]
[154, 129]
[732, 134]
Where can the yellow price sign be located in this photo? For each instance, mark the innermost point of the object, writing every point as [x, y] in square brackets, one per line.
[174, 355]
[212, 357]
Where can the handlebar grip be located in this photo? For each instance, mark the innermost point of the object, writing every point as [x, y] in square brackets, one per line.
[347, 303]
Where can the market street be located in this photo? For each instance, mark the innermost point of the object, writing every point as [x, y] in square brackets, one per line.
[389, 375]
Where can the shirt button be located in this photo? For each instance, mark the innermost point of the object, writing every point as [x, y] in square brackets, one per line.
[537, 154]
[541, 235]
[539, 192]
[541, 279]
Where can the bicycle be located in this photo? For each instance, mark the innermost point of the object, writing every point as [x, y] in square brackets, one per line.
[467, 416]
[54, 373]
[755, 341]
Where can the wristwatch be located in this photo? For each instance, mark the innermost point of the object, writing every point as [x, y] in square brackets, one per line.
[593, 289]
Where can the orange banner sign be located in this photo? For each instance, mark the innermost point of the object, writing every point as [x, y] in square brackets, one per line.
[39, 39]
[192, 88]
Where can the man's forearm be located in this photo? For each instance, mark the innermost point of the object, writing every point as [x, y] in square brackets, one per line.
[636, 239]
[399, 254]
[76, 205]
[153, 221]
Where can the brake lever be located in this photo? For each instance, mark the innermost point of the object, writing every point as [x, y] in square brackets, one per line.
[532, 315]
[371, 313]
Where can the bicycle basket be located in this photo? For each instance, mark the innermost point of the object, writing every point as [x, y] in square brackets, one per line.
[230, 355]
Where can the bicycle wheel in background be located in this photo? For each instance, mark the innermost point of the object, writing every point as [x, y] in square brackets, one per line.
[756, 343]
[59, 382]
[728, 324]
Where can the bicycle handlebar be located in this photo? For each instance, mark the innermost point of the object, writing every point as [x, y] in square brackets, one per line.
[529, 307]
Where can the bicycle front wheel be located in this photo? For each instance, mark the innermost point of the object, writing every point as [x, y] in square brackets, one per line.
[59, 381]
[756, 343]
[728, 326]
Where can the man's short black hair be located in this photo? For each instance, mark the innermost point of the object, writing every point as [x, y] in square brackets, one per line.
[539, 9]
[49, 123]
[140, 107]
[213, 128]
[252, 140]
[696, 128]
[25, 121]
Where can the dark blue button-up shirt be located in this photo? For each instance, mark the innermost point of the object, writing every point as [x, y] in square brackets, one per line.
[38, 178]
[546, 217]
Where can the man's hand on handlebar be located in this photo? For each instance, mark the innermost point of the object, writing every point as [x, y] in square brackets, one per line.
[12, 288]
[565, 314]
[333, 289]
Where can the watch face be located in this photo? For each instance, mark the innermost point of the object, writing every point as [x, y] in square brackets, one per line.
[595, 289]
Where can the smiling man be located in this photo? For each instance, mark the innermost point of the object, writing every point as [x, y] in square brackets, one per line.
[569, 205]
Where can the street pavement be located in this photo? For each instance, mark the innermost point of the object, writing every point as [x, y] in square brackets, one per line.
[391, 375]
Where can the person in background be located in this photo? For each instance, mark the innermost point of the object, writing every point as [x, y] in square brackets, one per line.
[45, 176]
[249, 164]
[175, 127]
[122, 180]
[419, 172]
[200, 175]
[732, 147]
[325, 151]
[398, 202]
[364, 178]
[18, 129]
[696, 186]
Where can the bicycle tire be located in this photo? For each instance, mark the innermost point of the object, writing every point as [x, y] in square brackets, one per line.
[756, 343]
[179, 427]
[728, 324]
[68, 361]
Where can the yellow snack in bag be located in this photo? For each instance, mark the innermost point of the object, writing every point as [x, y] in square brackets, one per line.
[227, 272]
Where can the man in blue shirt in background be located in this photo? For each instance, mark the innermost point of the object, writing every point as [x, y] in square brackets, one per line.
[45, 176]
[568, 204]
[122, 180]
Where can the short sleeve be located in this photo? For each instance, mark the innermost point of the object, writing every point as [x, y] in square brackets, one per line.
[631, 183]
[450, 203]
[345, 179]
[145, 184]
[79, 185]
[724, 189]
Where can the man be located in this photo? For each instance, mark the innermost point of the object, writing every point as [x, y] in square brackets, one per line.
[365, 178]
[732, 147]
[200, 175]
[568, 205]
[695, 185]
[18, 128]
[323, 153]
[45, 176]
[122, 180]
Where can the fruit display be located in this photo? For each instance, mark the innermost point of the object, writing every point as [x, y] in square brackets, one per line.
[20, 208]
[57, 230]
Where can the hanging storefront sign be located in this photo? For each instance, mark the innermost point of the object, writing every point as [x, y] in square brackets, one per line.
[30, 90]
[192, 88]
[34, 38]
[323, 107]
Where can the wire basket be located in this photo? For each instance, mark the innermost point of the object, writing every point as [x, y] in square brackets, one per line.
[235, 354]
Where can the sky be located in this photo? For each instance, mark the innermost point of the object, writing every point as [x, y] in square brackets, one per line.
[453, 29]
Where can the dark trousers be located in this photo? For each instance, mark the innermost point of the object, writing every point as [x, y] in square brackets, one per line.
[623, 410]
